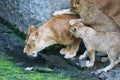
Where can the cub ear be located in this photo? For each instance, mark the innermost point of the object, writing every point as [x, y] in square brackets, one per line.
[31, 29]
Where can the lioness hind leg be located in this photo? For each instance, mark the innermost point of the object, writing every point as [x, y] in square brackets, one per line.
[65, 50]
[74, 49]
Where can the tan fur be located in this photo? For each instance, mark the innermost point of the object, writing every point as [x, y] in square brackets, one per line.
[105, 42]
[54, 31]
[110, 7]
[91, 15]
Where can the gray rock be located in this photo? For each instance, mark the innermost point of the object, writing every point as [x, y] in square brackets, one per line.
[113, 74]
[23, 13]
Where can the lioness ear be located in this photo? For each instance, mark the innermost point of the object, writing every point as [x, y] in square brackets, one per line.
[31, 29]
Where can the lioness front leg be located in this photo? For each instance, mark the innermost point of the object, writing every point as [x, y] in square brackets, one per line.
[65, 11]
[74, 49]
[65, 50]
[91, 54]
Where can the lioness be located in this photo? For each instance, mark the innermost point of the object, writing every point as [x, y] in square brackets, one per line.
[91, 15]
[54, 31]
[105, 42]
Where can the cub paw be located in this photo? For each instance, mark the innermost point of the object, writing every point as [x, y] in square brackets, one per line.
[99, 71]
[81, 57]
[73, 21]
[57, 13]
[89, 64]
[69, 56]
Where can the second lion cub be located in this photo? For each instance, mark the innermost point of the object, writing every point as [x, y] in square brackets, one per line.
[105, 42]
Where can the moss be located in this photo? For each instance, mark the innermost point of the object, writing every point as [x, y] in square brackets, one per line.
[9, 71]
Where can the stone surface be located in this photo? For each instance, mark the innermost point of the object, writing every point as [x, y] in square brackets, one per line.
[114, 74]
[23, 13]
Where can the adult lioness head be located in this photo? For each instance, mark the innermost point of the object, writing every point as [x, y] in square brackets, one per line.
[31, 46]
[36, 42]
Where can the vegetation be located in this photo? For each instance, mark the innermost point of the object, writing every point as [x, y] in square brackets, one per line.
[9, 71]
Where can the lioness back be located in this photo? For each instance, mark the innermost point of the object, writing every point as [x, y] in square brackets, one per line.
[59, 26]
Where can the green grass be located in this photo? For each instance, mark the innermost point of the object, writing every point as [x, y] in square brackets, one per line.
[9, 71]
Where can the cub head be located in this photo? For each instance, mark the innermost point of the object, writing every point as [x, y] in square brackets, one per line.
[77, 5]
[76, 29]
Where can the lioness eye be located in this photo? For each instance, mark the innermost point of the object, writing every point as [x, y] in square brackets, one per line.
[29, 46]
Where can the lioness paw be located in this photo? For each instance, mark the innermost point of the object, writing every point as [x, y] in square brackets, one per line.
[69, 56]
[89, 64]
[63, 51]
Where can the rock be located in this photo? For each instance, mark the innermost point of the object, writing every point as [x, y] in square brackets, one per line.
[23, 13]
[113, 74]
[81, 63]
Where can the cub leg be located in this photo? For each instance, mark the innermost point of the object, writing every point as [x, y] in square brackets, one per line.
[83, 56]
[65, 50]
[91, 54]
[112, 55]
[74, 49]
[113, 60]
[65, 11]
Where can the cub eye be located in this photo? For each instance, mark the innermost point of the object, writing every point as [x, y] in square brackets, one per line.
[74, 29]
[77, 2]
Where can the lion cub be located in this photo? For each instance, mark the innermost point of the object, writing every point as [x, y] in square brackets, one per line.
[105, 42]
[91, 15]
